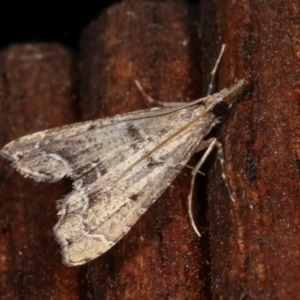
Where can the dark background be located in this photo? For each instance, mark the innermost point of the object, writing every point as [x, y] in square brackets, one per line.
[60, 22]
[47, 21]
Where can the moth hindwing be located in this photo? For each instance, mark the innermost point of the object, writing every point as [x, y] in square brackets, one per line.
[119, 166]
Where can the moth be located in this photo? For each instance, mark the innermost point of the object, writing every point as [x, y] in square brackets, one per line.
[119, 165]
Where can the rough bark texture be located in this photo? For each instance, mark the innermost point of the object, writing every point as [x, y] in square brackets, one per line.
[37, 86]
[255, 241]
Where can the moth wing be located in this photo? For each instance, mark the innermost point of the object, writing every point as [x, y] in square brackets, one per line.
[77, 149]
[97, 215]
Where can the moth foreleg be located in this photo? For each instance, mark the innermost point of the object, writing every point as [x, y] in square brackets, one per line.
[220, 154]
[209, 146]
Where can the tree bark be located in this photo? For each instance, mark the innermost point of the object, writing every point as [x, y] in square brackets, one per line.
[38, 83]
[251, 248]
[255, 240]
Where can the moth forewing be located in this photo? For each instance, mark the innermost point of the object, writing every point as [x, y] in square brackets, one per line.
[119, 165]
[115, 201]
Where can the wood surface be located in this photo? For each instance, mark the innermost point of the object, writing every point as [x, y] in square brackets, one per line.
[250, 247]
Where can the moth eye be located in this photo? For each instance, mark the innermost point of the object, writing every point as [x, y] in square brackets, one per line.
[220, 109]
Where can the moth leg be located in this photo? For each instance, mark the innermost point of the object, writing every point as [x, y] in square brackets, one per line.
[203, 145]
[209, 146]
[190, 167]
[153, 101]
[220, 156]
[214, 71]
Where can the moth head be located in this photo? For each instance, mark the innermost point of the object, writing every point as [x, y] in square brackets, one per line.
[230, 95]
[225, 98]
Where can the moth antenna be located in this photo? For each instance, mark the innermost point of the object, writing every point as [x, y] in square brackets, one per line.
[214, 71]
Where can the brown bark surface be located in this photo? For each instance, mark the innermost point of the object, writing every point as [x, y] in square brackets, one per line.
[254, 241]
[37, 86]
